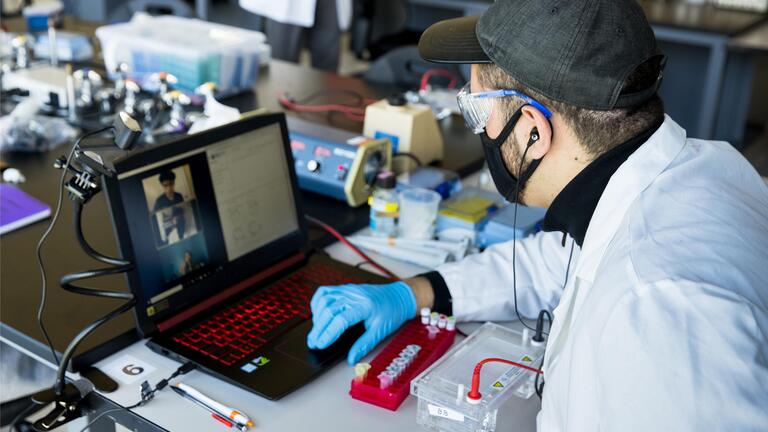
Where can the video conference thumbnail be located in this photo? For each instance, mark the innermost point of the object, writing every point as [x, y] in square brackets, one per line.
[174, 215]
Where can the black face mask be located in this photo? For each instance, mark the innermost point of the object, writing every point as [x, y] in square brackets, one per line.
[508, 184]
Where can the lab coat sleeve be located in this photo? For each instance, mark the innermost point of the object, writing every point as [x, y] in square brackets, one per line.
[481, 285]
[682, 356]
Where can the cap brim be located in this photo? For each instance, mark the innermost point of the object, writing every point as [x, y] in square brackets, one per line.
[452, 41]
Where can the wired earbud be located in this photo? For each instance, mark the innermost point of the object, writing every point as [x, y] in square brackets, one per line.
[534, 136]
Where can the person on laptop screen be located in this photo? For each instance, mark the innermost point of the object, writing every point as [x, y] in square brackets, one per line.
[653, 251]
[173, 219]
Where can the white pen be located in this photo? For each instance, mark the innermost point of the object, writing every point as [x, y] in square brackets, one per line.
[223, 410]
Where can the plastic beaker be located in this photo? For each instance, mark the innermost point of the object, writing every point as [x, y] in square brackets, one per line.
[418, 213]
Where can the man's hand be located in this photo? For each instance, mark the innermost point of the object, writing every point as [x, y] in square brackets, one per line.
[383, 308]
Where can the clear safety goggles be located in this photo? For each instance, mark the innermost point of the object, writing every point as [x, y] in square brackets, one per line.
[477, 107]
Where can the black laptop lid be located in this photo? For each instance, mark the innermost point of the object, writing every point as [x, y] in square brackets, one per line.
[200, 214]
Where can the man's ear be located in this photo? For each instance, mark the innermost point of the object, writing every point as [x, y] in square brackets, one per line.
[534, 119]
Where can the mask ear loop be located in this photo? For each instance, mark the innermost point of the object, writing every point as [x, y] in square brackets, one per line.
[507, 131]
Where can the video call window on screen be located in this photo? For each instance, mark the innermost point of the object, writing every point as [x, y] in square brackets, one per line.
[193, 213]
[174, 215]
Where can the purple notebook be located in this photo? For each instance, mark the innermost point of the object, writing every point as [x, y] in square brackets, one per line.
[18, 209]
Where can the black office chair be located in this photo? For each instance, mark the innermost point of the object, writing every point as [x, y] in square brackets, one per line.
[379, 26]
[403, 68]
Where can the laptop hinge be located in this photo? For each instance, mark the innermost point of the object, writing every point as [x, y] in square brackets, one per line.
[232, 290]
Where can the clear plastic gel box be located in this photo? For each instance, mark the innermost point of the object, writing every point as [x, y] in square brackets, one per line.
[442, 388]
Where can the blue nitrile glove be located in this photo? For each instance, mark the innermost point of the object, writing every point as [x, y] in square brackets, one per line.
[384, 308]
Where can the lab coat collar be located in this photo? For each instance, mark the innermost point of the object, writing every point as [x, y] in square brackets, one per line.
[572, 209]
[629, 181]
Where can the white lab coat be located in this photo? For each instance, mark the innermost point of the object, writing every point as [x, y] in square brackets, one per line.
[663, 325]
[297, 12]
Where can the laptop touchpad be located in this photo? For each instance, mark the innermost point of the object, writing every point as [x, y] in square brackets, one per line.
[295, 345]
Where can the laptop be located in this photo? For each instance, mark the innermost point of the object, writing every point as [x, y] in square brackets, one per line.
[223, 270]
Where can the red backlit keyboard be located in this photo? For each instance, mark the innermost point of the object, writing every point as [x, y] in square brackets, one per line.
[235, 332]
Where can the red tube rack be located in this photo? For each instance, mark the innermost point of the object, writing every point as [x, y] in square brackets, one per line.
[413, 332]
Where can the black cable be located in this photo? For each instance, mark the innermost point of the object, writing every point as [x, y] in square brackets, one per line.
[549, 319]
[147, 395]
[41, 242]
[70, 350]
[98, 417]
[361, 264]
[67, 281]
[410, 156]
[568, 267]
[41, 266]
[514, 238]
[120, 266]
[539, 389]
[21, 415]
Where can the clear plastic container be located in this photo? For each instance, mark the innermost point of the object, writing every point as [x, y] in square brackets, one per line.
[442, 388]
[418, 213]
[225, 55]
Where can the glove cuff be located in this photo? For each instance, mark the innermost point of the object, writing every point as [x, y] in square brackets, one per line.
[406, 298]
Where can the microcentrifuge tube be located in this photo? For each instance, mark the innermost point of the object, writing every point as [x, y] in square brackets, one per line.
[385, 380]
[361, 371]
[425, 315]
[395, 370]
[432, 331]
[400, 362]
[433, 318]
[451, 324]
[407, 356]
[441, 321]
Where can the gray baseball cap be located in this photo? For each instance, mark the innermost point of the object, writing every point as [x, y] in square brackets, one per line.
[575, 51]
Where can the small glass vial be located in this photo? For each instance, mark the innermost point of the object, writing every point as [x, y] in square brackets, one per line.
[385, 207]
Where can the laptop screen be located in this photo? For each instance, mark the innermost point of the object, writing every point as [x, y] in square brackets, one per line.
[198, 211]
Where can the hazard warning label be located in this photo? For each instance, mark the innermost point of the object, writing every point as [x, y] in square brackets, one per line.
[509, 377]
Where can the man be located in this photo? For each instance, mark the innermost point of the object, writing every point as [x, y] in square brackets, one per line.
[662, 323]
[187, 265]
[173, 219]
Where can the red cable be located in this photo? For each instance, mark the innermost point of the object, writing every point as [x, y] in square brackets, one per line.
[437, 72]
[474, 392]
[355, 113]
[340, 237]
